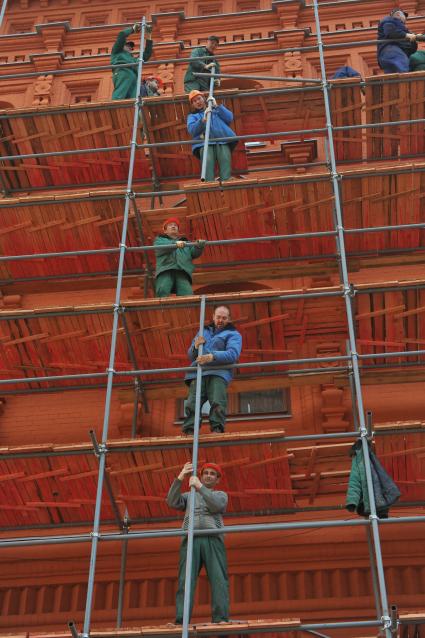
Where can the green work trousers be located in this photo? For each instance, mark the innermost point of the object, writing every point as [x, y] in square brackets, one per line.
[218, 154]
[125, 84]
[173, 281]
[196, 85]
[211, 552]
[213, 389]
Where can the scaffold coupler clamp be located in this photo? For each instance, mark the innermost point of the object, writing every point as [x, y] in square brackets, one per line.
[326, 86]
[386, 622]
[350, 291]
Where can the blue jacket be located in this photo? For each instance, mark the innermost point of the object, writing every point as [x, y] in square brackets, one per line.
[221, 117]
[225, 344]
[394, 31]
[345, 72]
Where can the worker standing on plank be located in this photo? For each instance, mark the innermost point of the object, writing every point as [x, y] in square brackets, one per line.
[219, 153]
[208, 551]
[204, 65]
[174, 265]
[222, 346]
[398, 42]
[125, 79]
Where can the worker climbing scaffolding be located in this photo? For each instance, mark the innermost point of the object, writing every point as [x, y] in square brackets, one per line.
[125, 78]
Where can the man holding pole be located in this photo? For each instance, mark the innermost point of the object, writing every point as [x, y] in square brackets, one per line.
[203, 65]
[208, 550]
[221, 345]
[218, 152]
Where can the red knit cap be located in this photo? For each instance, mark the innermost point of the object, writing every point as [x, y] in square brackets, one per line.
[213, 466]
[170, 220]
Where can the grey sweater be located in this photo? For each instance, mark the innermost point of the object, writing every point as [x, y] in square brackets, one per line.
[209, 505]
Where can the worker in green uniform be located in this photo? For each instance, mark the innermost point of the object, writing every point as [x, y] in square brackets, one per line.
[174, 265]
[417, 60]
[204, 65]
[125, 79]
[208, 551]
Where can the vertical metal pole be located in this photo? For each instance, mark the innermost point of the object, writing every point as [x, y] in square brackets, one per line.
[110, 370]
[207, 125]
[373, 518]
[189, 550]
[124, 549]
[373, 572]
[3, 11]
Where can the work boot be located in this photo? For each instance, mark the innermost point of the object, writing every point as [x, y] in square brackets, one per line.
[218, 429]
[188, 431]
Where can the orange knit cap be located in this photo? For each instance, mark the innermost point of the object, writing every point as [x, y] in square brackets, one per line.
[213, 466]
[171, 220]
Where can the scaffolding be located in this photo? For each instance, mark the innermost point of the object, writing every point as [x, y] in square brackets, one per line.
[138, 377]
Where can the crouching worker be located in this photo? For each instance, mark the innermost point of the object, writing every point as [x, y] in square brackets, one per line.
[174, 266]
[218, 152]
[208, 551]
[151, 86]
[397, 42]
[222, 346]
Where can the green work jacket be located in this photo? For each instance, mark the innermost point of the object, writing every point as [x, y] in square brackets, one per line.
[169, 258]
[417, 61]
[198, 66]
[119, 56]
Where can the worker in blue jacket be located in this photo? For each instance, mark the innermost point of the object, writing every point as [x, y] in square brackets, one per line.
[222, 346]
[218, 152]
[398, 42]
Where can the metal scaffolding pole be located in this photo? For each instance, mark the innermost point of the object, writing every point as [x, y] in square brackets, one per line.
[373, 519]
[208, 113]
[123, 568]
[110, 370]
[192, 495]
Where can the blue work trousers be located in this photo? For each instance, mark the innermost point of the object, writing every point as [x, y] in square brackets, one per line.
[392, 59]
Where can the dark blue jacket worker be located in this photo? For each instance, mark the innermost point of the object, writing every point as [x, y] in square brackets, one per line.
[222, 346]
[218, 152]
[398, 42]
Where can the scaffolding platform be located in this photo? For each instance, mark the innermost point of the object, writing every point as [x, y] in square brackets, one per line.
[388, 201]
[69, 129]
[234, 628]
[278, 325]
[62, 488]
[392, 98]
[263, 472]
[257, 112]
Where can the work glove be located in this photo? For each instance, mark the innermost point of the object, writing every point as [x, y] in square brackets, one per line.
[136, 27]
[149, 28]
[217, 82]
[212, 103]
[209, 66]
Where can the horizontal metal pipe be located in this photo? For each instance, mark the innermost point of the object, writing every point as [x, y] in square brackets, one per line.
[223, 56]
[215, 242]
[136, 373]
[131, 249]
[79, 151]
[274, 78]
[228, 529]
